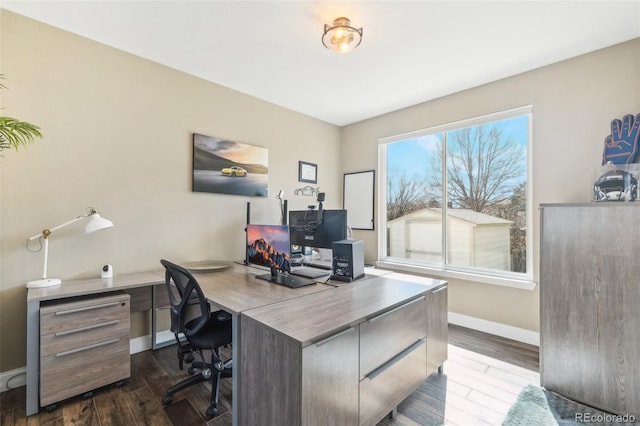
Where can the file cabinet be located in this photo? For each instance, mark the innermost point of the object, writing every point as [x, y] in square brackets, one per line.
[84, 345]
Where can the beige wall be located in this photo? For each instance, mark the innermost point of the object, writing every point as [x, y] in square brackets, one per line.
[573, 104]
[118, 137]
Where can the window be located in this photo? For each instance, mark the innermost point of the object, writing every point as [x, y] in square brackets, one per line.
[456, 196]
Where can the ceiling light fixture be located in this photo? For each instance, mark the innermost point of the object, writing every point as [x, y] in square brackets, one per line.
[341, 37]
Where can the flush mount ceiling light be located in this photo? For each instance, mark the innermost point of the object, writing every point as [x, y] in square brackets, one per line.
[341, 37]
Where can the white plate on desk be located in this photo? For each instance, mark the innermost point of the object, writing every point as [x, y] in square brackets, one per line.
[207, 266]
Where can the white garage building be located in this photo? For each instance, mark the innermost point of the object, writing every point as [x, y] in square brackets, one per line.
[475, 239]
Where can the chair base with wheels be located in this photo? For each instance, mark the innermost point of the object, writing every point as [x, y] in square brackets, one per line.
[201, 371]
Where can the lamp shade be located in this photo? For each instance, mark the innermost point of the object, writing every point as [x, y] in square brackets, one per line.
[97, 223]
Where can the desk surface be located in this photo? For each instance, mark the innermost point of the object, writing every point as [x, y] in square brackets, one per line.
[231, 297]
[317, 315]
[237, 289]
[88, 286]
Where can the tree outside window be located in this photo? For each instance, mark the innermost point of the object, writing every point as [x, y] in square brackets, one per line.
[458, 197]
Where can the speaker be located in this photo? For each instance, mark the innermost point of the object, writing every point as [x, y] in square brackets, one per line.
[348, 260]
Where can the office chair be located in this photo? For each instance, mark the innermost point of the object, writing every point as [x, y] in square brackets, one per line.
[208, 331]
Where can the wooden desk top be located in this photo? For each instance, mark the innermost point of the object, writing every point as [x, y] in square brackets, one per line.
[237, 289]
[88, 286]
[318, 315]
[234, 289]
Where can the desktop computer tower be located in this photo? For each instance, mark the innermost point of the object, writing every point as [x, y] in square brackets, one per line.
[348, 260]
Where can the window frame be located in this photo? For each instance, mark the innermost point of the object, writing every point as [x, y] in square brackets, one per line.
[503, 278]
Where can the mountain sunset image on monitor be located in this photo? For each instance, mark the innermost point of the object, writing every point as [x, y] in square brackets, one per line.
[268, 245]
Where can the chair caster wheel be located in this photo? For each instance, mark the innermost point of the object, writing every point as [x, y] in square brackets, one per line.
[167, 399]
[51, 408]
[212, 411]
[188, 358]
[206, 373]
[191, 371]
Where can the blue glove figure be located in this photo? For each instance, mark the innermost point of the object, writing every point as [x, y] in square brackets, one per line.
[621, 146]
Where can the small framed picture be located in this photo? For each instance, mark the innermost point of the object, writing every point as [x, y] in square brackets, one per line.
[307, 172]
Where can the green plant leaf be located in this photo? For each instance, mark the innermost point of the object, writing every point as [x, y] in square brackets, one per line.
[15, 133]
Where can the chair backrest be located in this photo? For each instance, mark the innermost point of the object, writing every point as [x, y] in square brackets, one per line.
[182, 286]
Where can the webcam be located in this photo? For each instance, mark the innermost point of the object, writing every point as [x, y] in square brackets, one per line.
[107, 271]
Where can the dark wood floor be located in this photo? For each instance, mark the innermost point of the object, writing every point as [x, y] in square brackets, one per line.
[481, 380]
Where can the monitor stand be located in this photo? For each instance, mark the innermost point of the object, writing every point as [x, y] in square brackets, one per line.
[278, 277]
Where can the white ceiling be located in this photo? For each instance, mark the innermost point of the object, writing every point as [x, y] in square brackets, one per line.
[411, 52]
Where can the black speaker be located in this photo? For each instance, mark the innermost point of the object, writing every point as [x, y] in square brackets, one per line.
[348, 260]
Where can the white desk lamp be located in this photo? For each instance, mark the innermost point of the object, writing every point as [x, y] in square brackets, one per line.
[96, 223]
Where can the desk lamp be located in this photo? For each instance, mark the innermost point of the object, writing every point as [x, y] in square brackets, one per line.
[96, 223]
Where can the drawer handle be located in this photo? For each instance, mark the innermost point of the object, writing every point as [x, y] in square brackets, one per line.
[87, 308]
[384, 314]
[335, 336]
[393, 360]
[439, 290]
[86, 348]
[88, 327]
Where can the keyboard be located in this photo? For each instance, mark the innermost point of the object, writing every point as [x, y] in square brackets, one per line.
[310, 272]
[293, 282]
[287, 280]
[326, 266]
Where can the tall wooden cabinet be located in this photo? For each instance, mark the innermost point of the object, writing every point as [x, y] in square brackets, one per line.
[590, 304]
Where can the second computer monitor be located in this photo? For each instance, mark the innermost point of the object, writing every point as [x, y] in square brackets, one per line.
[310, 230]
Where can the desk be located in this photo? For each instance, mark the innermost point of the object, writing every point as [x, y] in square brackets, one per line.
[258, 302]
[347, 356]
[235, 290]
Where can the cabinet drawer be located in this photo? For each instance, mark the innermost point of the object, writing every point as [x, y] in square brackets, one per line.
[70, 373]
[66, 340]
[330, 380]
[384, 388]
[82, 312]
[384, 336]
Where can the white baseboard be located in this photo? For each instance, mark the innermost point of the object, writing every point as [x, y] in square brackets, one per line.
[503, 330]
[18, 377]
[143, 343]
[13, 379]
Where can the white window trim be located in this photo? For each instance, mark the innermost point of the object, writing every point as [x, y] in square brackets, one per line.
[448, 273]
[514, 280]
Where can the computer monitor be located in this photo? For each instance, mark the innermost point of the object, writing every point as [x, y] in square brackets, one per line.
[309, 228]
[268, 245]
